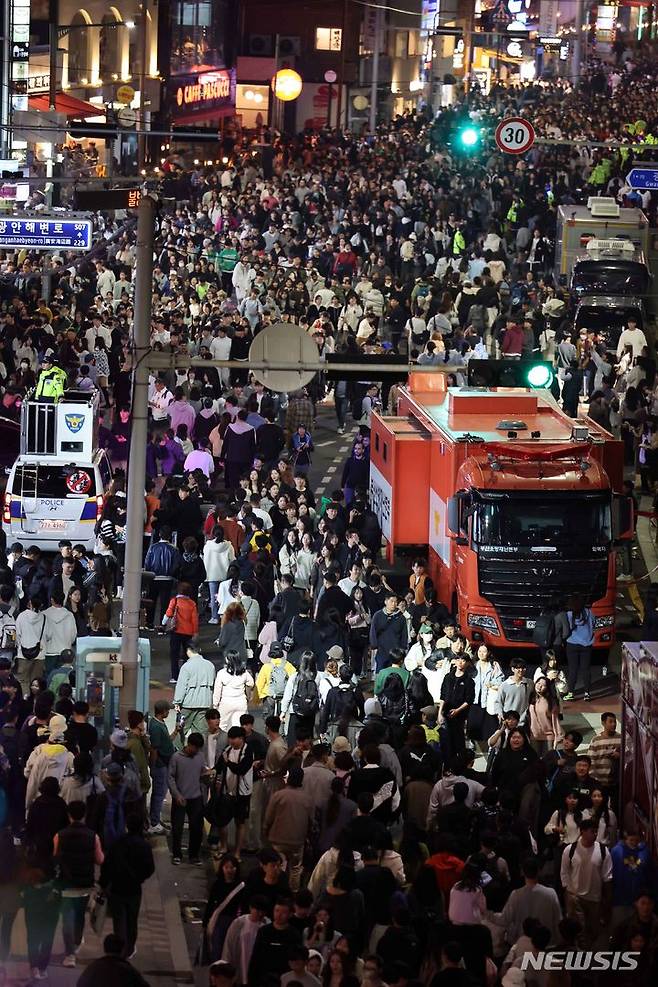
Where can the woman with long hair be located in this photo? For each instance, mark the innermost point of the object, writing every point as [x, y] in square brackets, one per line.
[232, 633]
[288, 554]
[304, 558]
[83, 785]
[564, 823]
[74, 604]
[467, 905]
[224, 904]
[337, 971]
[335, 814]
[489, 676]
[229, 588]
[233, 685]
[550, 669]
[544, 711]
[301, 699]
[603, 815]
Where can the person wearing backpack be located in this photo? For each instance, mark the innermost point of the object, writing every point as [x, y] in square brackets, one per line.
[272, 680]
[7, 623]
[301, 700]
[128, 863]
[393, 701]
[576, 628]
[586, 876]
[342, 699]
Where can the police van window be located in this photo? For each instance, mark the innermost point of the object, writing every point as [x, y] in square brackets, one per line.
[50, 481]
[105, 471]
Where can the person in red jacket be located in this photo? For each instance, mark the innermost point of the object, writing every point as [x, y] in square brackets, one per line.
[182, 620]
[513, 340]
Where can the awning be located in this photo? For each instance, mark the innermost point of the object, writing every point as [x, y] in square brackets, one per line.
[191, 119]
[70, 106]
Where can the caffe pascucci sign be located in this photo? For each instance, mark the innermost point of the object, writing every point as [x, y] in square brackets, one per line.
[203, 91]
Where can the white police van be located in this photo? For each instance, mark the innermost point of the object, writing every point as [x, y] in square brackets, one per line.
[57, 487]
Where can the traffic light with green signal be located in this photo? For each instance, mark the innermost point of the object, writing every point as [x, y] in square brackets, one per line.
[468, 138]
[535, 374]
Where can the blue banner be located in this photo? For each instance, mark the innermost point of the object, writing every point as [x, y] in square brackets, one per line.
[46, 234]
[643, 178]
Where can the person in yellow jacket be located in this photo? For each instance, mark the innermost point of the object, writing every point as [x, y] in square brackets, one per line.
[52, 380]
[272, 679]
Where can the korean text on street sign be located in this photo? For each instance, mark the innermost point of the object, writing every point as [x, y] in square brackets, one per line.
[46, 234]
[515, 135]
[643, 178]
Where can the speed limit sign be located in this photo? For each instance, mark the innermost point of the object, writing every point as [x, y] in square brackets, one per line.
[515, 135]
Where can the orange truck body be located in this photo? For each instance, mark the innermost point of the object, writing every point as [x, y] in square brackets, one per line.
[512, 458]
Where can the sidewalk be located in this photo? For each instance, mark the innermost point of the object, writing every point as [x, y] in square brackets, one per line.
[163, 957]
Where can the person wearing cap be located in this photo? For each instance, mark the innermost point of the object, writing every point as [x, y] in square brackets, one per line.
[50, 759]
[120, 755]
[52, 380]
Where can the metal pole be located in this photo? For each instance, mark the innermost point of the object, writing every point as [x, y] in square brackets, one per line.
[379, 27]
[578, 41]
[341, 74]
[132, 582]
[53, 15]
[5, 80]
[141, 137]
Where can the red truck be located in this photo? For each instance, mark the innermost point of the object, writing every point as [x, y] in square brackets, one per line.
[517, 505]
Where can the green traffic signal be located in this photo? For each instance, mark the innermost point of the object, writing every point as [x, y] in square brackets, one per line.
[540, 375]
[469, 137]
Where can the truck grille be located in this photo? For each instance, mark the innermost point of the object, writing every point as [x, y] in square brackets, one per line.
[522, 589]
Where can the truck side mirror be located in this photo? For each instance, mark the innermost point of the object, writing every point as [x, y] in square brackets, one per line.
[455, 518]
[622, 518]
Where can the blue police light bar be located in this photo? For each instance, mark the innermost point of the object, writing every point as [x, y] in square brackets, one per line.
[46, 234]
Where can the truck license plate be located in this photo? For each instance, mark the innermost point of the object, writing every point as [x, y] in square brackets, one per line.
[52, 525]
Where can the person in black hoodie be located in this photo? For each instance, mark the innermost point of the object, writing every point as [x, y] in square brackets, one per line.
[129, 862]
[377, 780]
[192, 569]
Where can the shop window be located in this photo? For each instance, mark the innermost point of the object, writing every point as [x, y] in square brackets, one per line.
[401, 44]
[109, 57]
[328, 39]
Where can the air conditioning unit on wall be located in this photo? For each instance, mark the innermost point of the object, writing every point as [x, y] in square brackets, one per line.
[289, 45]
[261, 45]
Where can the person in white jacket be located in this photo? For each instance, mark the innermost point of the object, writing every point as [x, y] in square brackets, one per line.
[233, 686]
[48, 760]
[242, 278]
[61, 630]
[218, 553]
[30, 634]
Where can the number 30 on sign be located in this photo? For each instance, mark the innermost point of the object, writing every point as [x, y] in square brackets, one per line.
[515, 135]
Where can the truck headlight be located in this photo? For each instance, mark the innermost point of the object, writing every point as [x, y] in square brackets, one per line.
[486, 623]
[608, 621]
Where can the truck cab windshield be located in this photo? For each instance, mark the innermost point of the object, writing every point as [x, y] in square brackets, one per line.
[525, 521]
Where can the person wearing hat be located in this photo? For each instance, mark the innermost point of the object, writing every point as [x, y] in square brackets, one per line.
[121, 756]
[49, 759]
[272, 679]
[162, 750]
[52, 380]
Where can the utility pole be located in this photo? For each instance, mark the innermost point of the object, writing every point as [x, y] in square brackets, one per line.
[580, 22]
[132, 583]
[5, 80]
[141, 137]
[374, 82]
[53, 33]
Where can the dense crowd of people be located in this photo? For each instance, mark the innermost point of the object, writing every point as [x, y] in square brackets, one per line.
[321, 749]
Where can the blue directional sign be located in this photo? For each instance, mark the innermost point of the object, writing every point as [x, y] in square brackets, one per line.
[46, 234]
[643, 178]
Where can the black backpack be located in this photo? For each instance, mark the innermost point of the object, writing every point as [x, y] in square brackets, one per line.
[306, 699]
[544, 633]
